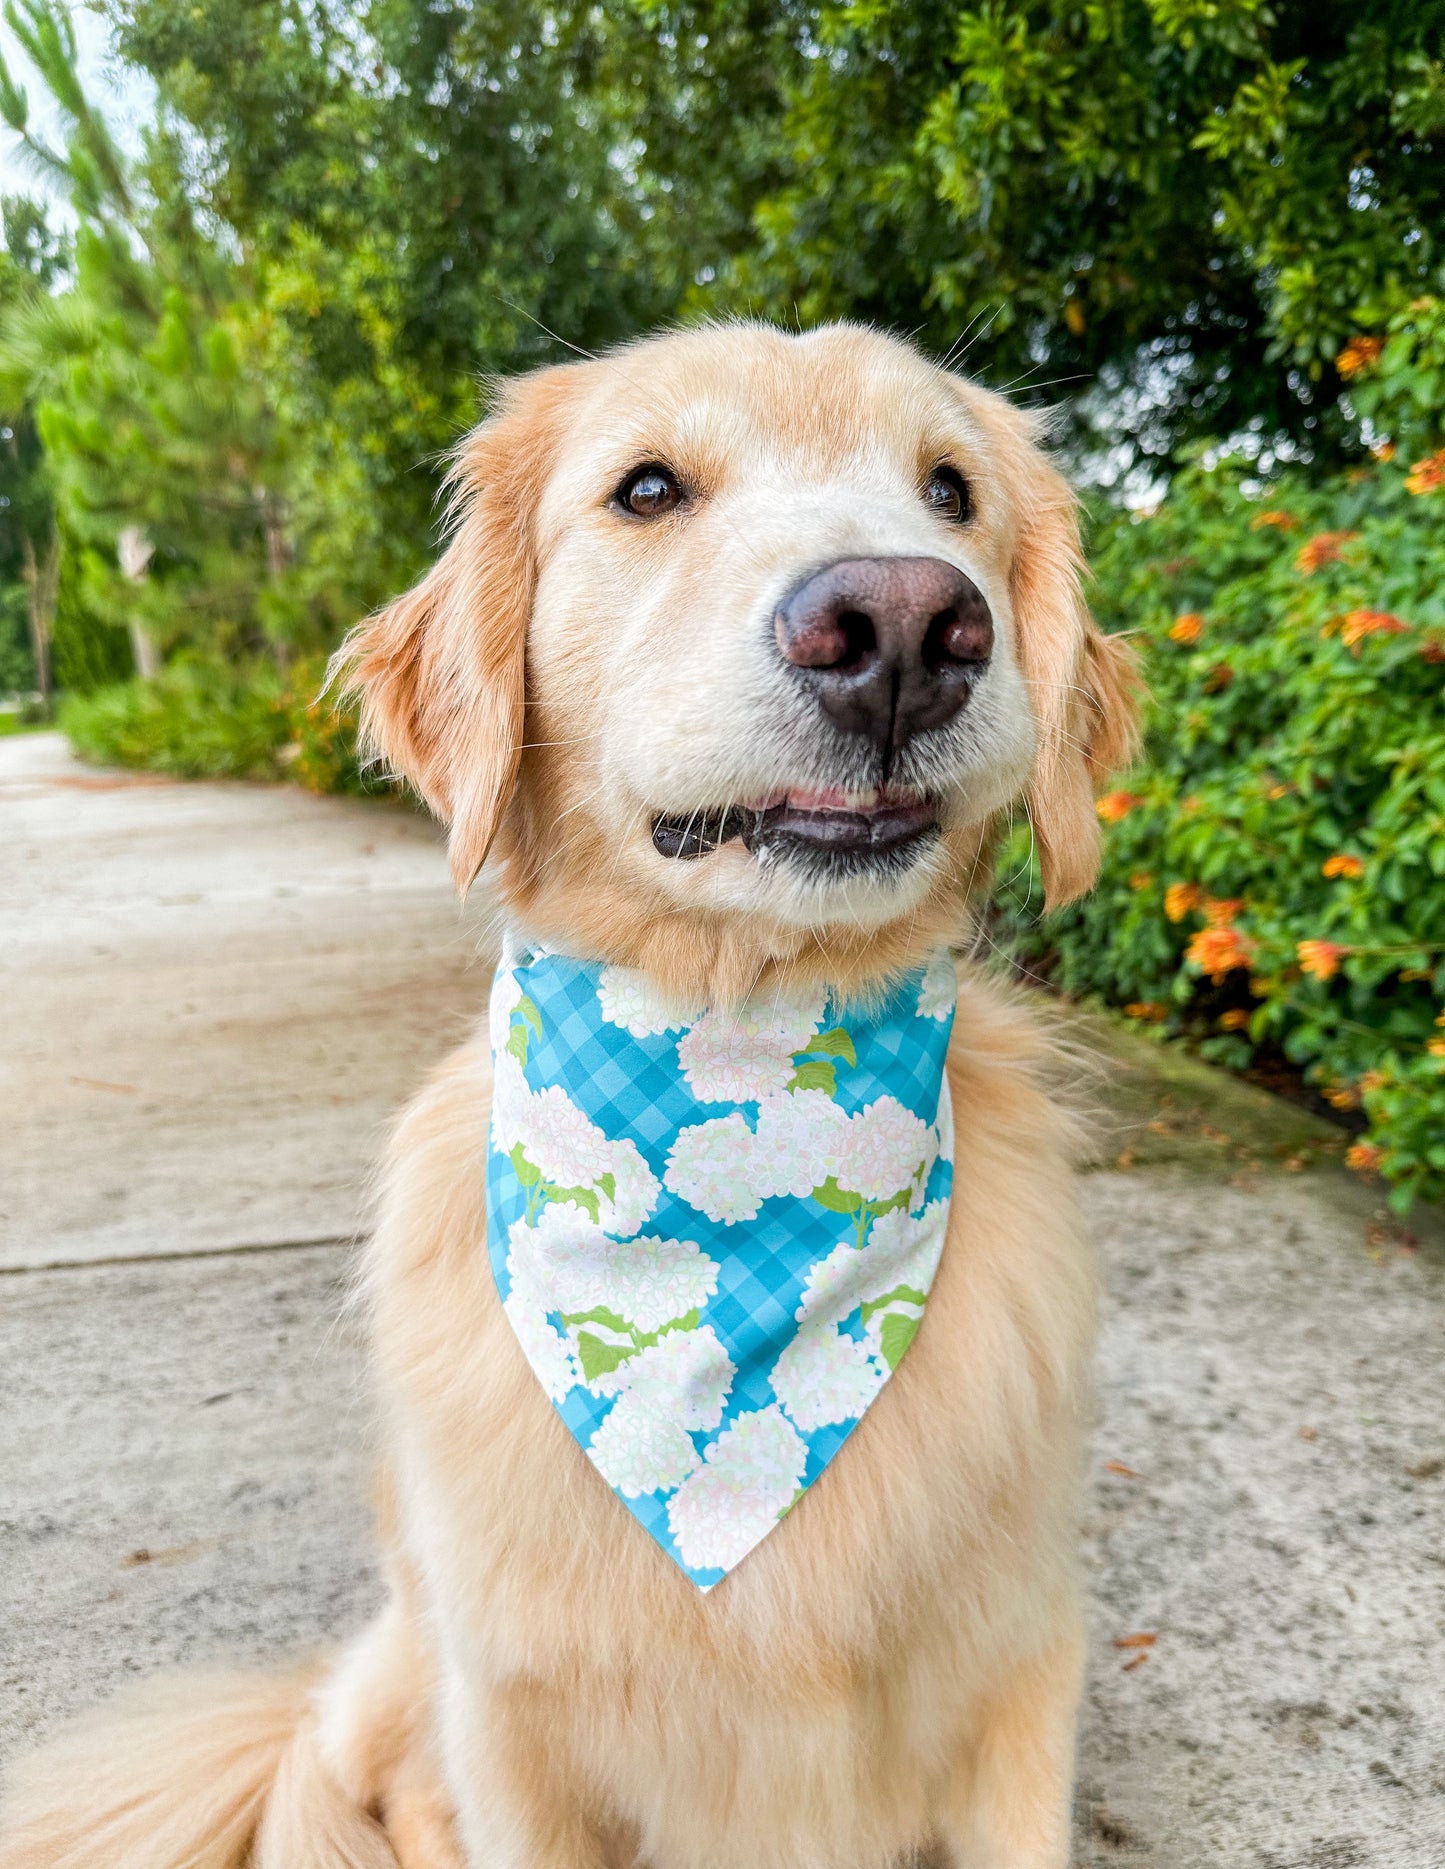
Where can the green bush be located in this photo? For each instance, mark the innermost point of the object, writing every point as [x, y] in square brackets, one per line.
[1274, 869]
[206, 719]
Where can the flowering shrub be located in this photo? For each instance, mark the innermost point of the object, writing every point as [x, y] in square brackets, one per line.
[1274, 875]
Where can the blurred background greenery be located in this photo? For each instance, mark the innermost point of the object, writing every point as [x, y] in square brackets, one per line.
[239, 333]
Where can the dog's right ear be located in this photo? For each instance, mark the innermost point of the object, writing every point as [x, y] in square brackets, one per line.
[440, 673]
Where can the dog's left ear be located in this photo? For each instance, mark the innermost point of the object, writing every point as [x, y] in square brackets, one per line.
[1085, 686]
[441, 671]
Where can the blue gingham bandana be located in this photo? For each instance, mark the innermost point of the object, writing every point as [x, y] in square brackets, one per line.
[714, 1233]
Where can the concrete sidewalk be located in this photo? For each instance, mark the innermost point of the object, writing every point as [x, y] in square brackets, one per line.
[215, 995]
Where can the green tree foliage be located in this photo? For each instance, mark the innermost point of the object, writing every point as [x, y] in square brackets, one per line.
[425, 195]
[1183, 202]
[30, 258]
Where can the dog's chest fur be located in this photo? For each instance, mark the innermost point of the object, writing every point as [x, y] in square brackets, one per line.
[827, 1682]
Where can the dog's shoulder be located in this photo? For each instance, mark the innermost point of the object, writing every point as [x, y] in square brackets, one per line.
[1018, 1075]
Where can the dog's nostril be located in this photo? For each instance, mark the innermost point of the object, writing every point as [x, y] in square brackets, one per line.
[860, 638]
[957, 634]
[834, 640]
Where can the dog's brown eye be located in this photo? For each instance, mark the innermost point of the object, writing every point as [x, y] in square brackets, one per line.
[947, 494]
[649, 492]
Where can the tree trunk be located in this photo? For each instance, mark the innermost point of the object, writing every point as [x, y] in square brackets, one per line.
[134, 550]
[147, 656]
[42, 578]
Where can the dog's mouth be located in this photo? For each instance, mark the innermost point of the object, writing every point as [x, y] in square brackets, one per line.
[829, 829]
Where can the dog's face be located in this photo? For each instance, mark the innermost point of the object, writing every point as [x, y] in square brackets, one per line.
[751, 636]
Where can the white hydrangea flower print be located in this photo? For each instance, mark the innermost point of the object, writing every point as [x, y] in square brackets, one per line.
[640, 1451]
[634, 1190]
[825, 1377]
[884, 1149]
[547, 1350]
[630, 999]
[562, 1140]
[710, 1167]
[505, 998]
[740, 1056]
[649, 1282]
[938, 990]
[797, 1144]
[511, 1097]
[685, 1375]
[944, 1125]
[569, 1150]
[749, 1475]
[904, 1249]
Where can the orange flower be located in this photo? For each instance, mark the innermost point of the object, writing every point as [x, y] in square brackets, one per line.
[1188, 628]
[1218, 678]
[1276, 792]
[1321, 958]
[1433, 649]
[1364, 1158]
[1235, 1020]
[1440, 1020]
[1180, 898]
[1384, 451]
[1285, 522]
[1358, 355]
[1219, 914]
[1425, 476]
[1435, 1047]
[1115, 805]
[1149, 1010]
[1325, 548]
[1140, 881]
[1219, 951]
[1341, 1099]
[1342, 864]
[1372, 1080]
[1361, 623]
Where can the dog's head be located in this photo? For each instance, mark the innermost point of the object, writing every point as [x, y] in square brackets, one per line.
[742, 646]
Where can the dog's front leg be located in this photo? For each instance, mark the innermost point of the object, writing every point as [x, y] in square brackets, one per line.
[1006, 1804]
[517, 1807]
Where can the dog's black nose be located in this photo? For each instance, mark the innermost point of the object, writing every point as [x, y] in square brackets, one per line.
[890, 646]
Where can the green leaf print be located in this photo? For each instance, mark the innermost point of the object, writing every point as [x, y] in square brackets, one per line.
[584, 1198]
[529, 1012]
[644, 1339]
[526, 1173]
[835, 1044]
[899, 1330]
[517, 1045]
[608, 1184]
[900, 1294]
[815, 1074]
[835, 1199]
[599, 1314]
[600, 1359]
[901, 1199]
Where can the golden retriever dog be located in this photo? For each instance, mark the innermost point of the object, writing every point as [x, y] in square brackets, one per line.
[743, 648]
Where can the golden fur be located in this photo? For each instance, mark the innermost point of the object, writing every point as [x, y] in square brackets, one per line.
[895, 1669]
